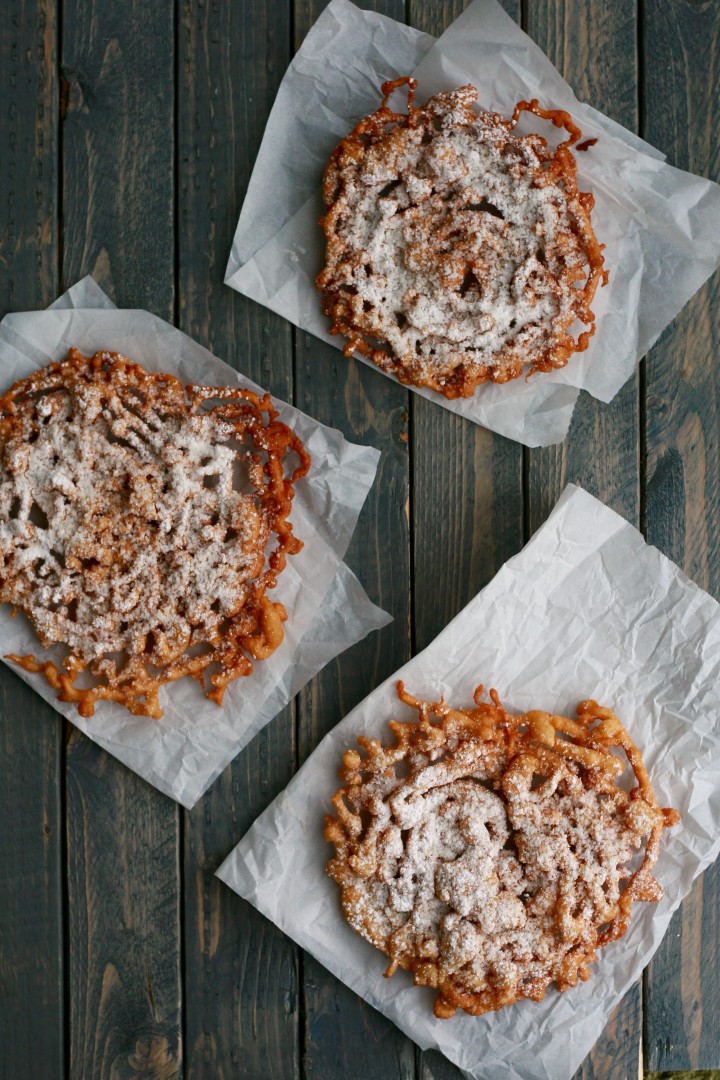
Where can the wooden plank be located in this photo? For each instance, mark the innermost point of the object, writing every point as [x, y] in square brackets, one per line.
[467, 501]
[696, 1074]
[122, 835]
[241, 979]
[594, 46]
[31, 908]
[124, 971]
[342, 1035]
[28, 164]
[241, 972]
[118, 204]
[681, 71]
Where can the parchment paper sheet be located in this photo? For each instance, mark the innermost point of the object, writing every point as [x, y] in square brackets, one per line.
[586, 609]
[328, 610]
[661, 226]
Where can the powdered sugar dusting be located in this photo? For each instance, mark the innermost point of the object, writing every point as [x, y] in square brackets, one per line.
[491, 869]
[134, 525]
[453, 248]
[153, 495]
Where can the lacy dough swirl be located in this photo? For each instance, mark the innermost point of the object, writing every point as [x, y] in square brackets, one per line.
[135, 524]
[492, 854]
[458, 251]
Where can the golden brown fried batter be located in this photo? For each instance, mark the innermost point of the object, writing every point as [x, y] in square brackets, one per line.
[135, 523]
[492, 854]
[458, 251]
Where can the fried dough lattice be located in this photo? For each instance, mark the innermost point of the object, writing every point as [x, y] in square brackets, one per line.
[135, 522]
[492, 854]
[457, 250]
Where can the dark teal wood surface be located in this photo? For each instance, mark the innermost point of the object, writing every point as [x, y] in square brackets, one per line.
[681, 115]
[31, 733]
[128, 133]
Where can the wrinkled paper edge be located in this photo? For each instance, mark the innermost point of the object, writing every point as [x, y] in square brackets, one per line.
[255, 862]
[538, 413]
[327, 634]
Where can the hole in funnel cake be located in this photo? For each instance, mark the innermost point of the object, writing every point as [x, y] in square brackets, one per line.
[123, 535]
[493, 854]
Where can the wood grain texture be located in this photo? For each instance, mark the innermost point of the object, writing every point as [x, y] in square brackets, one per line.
[593, 45]
[31, 909]
[31, 873]
[448, 502]
[241, 978]
[122, 835]
[241, 972]
[342, 1035]
[28, 155]
[695, 1074]
[124, 927]
[118, 71]
[681, 45]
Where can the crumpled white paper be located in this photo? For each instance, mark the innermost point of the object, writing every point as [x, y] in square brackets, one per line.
[661, 226]
[328, 610]
[586, 609]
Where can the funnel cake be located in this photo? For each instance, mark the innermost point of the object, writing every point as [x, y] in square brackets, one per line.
[137, 521]
[492, 854]
[457, 250]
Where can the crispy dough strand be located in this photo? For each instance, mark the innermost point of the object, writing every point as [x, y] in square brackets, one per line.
[458, 251]
[389, 87]
[142, 525]
[489, 853]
